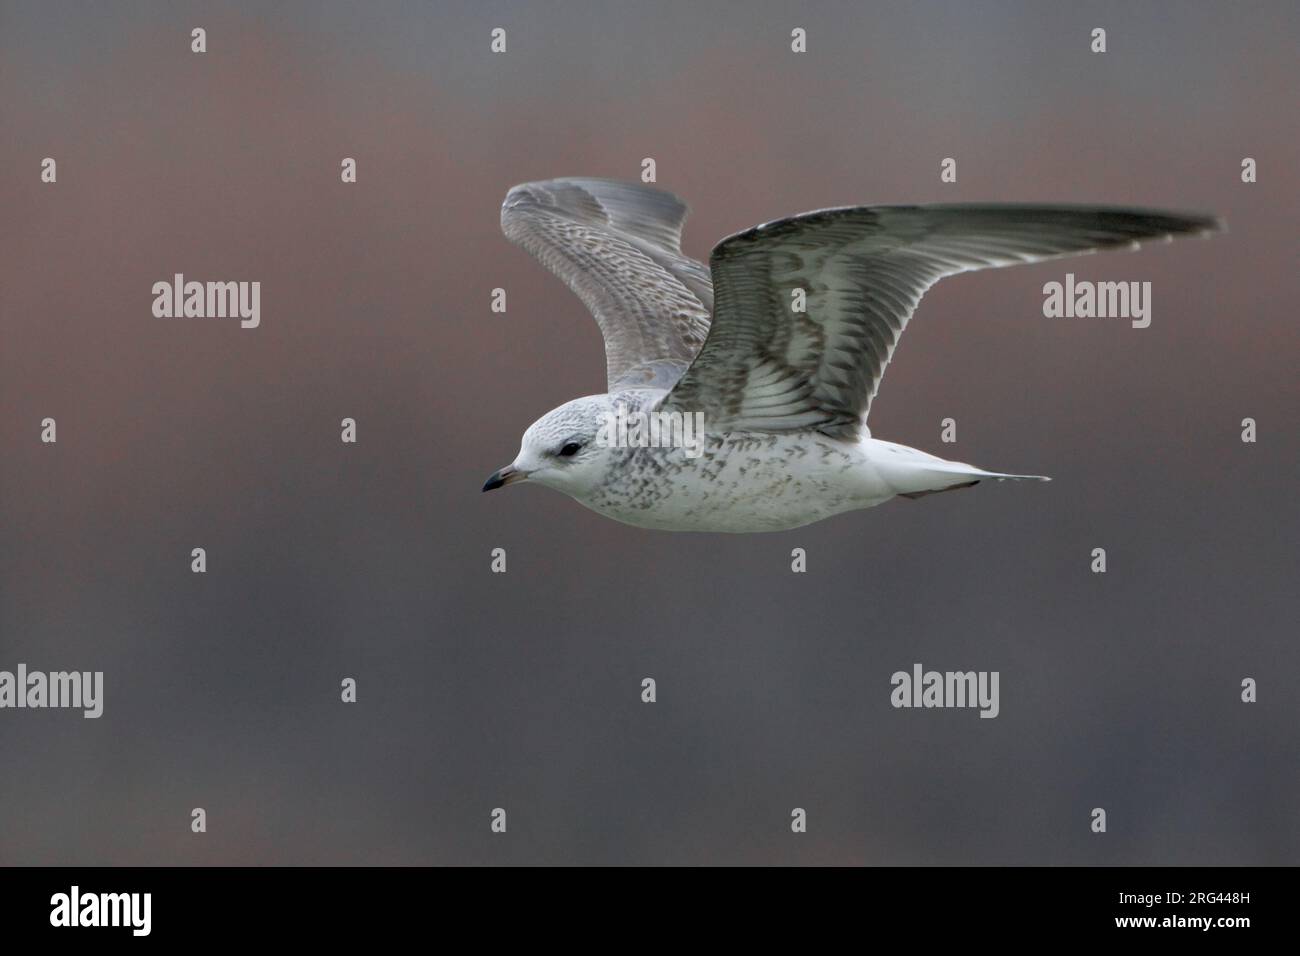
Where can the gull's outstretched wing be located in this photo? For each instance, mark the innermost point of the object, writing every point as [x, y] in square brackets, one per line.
[618, 247]
[767, 367]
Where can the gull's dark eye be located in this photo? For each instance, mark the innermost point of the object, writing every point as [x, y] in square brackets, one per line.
[570, 449]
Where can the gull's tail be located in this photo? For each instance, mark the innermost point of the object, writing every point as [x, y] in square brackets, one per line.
[913, 473]
[998, 476]
[942, 469]
[940, 475]
[966, 478]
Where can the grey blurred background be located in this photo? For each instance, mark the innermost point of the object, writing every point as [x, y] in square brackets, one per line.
[522, 690]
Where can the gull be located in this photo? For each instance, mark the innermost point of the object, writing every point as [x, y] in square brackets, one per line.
[782, 391]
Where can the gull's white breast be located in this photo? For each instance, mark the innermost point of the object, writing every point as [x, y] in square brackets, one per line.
[751, 481]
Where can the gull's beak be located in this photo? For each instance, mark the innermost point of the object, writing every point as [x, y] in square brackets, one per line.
[505, 476]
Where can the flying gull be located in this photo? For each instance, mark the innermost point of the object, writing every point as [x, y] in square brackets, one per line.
[781, 392]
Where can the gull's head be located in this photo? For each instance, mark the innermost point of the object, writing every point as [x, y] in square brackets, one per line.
[562, 449]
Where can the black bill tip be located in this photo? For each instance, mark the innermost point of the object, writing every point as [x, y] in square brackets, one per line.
[502, 477]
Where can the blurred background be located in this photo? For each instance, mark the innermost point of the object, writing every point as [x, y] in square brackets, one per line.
[522, 691]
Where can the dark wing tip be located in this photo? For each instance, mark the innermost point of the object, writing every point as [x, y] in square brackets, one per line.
[1118, 221]
[1162, 222]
